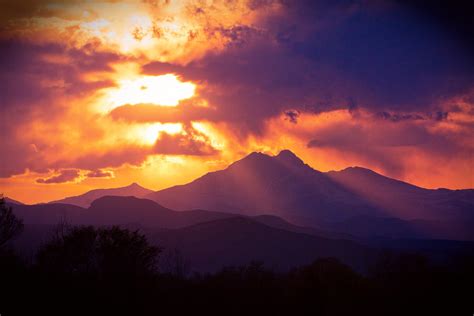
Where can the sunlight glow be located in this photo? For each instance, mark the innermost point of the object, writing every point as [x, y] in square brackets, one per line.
[165, 90]
[147, 134]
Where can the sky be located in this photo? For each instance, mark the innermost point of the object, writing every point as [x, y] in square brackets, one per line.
[99, 94]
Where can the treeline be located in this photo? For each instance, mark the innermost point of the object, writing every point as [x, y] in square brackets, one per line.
[110, 270]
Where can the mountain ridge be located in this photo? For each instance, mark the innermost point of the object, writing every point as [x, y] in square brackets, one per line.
[239, 240]
[283, 185]
[85, 199]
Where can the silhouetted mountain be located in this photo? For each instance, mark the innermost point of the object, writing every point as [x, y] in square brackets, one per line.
[382, 227]
[12, 201]
[209, 239]
[239, 240]
[365, 230]
[199, 234]
[280, 223]
[42, 219]
[85, 200]
[403, 200]
[259, 184]
[49, 214]
[114, 210]
[283, 185]
[139, 213]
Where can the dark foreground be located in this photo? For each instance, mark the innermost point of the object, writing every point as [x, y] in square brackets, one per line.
[89, 271]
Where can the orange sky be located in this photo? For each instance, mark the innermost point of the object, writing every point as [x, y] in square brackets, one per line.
[102, 94]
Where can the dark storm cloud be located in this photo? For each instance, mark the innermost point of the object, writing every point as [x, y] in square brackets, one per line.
[319, 55]
[399, 61]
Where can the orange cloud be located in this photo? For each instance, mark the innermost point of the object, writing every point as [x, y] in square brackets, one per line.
[100, 174]
[144, 113]
[166, 31]
[68, 175]
[418, 149]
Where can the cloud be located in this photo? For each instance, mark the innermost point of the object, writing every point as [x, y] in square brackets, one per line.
[44, 86]
[133, 155]
[172, 30]
[399, 148]
[66, 175]
[100, 174]
[145, 113]
[33, 74]
[317, 56]
[292, 115]
[399, 117]
[192, 143]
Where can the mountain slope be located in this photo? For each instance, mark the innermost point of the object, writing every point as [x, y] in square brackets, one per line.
[131, 211]
[85, 200]
[403, 200]
[12, 201]
[239, 240]
[200, 234]
[280, 223]
[259, 184]
[344, 201]
[283, 185]
[113, 210]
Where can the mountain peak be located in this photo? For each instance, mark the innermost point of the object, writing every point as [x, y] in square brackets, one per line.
[288, 156]
[256, 154]
[263, 161]
[356, 169]
[252, 158]
[286, 153]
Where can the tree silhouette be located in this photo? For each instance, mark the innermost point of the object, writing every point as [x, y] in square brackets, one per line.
[102, 251]
[172, 262]
[10, 225]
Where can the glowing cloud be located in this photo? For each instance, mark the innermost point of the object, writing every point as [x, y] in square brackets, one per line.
[147, 134]
[165, 90]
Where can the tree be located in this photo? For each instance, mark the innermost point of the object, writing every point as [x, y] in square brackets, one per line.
[107, 251]
[10, 225]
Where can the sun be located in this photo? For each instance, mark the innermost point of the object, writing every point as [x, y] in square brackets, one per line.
[164, 90]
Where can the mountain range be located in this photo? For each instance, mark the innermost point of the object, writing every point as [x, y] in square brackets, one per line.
[285, 186]
[239, 240]
[354, 201]
[209, 240]
[271, 208]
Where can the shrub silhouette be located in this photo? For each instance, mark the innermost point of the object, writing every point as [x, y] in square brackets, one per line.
[104, 252]
[10, 225]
